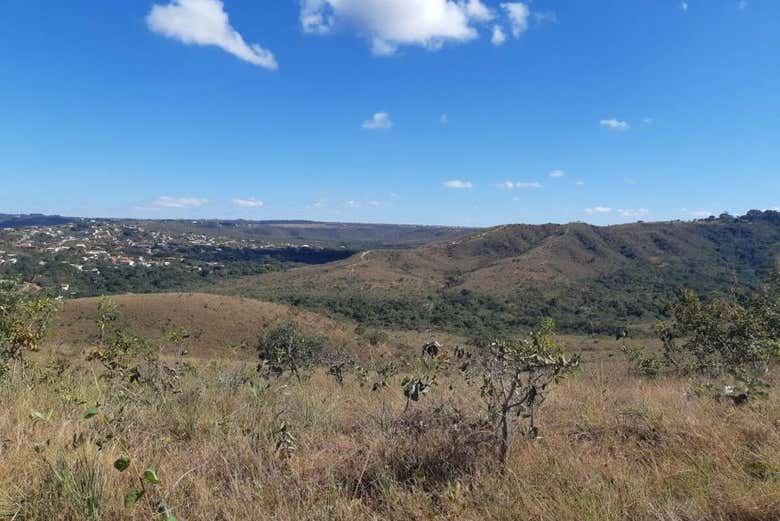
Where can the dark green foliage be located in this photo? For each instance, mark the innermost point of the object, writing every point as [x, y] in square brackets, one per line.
[286, 348]
[724, 334]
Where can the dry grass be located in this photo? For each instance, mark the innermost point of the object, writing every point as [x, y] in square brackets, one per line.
[614, 448]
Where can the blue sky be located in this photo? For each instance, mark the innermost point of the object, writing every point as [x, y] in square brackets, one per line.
[408, 111]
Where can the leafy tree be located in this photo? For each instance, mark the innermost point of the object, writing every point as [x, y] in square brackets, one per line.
[724, 334]
[23, 323]
[515, 377]
[286, 348]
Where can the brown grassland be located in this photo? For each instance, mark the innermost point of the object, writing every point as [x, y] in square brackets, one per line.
[228, 444]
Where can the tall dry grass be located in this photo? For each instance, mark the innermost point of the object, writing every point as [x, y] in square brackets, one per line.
[613, 448]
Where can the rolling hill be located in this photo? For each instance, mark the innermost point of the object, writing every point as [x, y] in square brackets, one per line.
[589, 278]
[221, 326]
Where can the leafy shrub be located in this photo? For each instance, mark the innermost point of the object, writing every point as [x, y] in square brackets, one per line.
[286, 348]
[723, 335]
[514, 380]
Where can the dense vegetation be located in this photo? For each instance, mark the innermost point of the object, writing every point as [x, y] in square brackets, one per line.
[589, 279]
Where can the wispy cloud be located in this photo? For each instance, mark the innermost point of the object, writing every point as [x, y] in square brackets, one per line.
[205, 22]
[614, 124]
[634, 213]
[547, 17]
[499, 36]
[697, 214]
[557, 174]
[519, 185]
[742, 5]
[518, 14]
[458, 184]
[684, 6]
[598, 210]
[179, 202]
[444, 119]
[248, 203]
[379, 121]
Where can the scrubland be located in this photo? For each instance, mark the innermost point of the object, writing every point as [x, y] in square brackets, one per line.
[226, 443]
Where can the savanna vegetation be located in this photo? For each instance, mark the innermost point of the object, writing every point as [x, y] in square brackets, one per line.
[301, 427]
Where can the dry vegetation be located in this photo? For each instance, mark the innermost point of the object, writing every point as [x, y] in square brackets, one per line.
[113, 428]
[225, 446]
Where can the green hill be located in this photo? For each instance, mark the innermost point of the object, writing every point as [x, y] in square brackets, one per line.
[590, 278]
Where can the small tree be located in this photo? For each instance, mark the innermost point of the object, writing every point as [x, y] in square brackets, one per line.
[736, 336]
[23, 324]
[107, 315]
[287, 349]
[723, 335]
[515, 378]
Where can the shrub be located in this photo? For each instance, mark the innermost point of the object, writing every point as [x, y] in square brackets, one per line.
[515, 377]
[287, 349]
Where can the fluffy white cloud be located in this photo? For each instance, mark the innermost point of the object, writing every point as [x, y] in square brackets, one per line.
[598, 210]
[499, 37]
[614, 124]
[458, 184]
[379, 121]
[248, 203]
[684, 6]
[479, 11]
[390, 24]
[518, 14]
[633, 213]
[179, 202]
[557, 173]
[205, 22]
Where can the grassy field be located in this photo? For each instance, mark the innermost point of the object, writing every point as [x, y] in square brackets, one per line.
[226, 443]
[142, 426]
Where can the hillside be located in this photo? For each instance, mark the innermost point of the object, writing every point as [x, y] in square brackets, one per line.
[219, 326]
[590, 278]
[33, 219]
[322, 234]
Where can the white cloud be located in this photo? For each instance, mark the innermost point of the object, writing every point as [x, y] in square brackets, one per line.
[519, 185]
[352, 204]
[458, 184]
[614, 124]
[684, 6]
[479, 11]
[499, 37]
[647, 121]
[205, 22]
[379, 121]
[697, 214]
[580, 183]
[557, 173]
[248, 203]
[547, 17]
[634, 213]
[391, 24]
[179, 202]
[598, 210]
[518, 14]
[444, 119]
